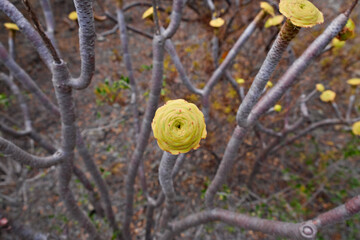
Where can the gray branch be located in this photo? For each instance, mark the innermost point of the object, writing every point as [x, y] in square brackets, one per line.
[167, 164]
[286, 34]
[14, 152]
[277, 228]
[155, 89]
[87, 35]
[232, 53]
[61, 77]
[269, 100]
[169, 46]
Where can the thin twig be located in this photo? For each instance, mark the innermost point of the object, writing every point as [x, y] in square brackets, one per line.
[40, 30]
[156, 18]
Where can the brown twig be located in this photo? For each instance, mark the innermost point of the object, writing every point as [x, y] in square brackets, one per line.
[40, 30]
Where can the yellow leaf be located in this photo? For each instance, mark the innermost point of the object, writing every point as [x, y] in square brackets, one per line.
[149, 12]
[217, 22]
[267, 8]
[11, 26]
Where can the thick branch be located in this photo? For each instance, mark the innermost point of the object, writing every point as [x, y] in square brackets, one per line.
[297, 68]
[175, 18]
[84, 11]
[167, 164]
[269, 100]
[287, 33]
[155, 89]
[277, 228]
[63, 92]
[14, 152]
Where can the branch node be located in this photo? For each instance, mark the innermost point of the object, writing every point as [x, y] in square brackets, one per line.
[308, 230]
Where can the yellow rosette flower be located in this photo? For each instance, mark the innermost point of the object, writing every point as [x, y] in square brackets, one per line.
[217, 22]
[356, 128]
[178, 126]
[277, 108]
[240, 81]
[328, 96]
[320, 87]
[301, 13]
[11, 26]
[354, 82]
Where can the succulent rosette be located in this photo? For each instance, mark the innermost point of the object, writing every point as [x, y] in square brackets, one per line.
[328, 96]
[301, 13]
[178, 126]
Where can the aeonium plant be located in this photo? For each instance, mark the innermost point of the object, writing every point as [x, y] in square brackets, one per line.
[178, 126]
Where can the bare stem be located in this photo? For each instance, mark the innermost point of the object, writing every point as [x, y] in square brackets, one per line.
[156, 18]
[287, 33]
[84, 11]
[41, 32]
[166, 181]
